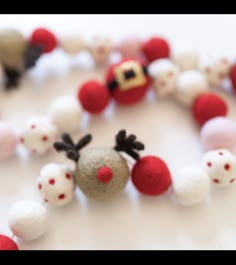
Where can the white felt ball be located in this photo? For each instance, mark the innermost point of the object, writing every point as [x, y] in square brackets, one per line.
[186, 60]
[191, 185]
[164, 74]
[72, 44]
[38, 135]
[216, 70]
[28, 219]
[190, 84]
[65, 112]
[220, 165]
[56, 184]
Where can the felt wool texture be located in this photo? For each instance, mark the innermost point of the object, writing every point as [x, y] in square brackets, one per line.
[186, 60]
[208, 106]
[65, 112]
[56, 184]
[191, 185]
[233, 77]
[219, 132]
[12, 48]
[164, 76]
[8, 140]
[90, 162]
[27, 220]
[132, 90]
[6, 243]
[130, 47]
[190, 84]
[72, 44]
[93, 96]
[151, 176]
[220, 166]
[156, 48]
[216, 70]
[38, 135]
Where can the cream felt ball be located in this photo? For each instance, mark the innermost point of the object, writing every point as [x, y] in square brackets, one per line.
[164, 75]
[220, 166]
[8, 140]
[65, 112]
[56, 184]
[72, 44]
[27, 219]
[191, 185]
[190, 84]
[219, 132]
[130, 47]
[186, 60]
[38, 135]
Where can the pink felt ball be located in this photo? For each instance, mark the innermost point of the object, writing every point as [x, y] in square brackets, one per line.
[8, 140]
[219, 132]
[130, 47]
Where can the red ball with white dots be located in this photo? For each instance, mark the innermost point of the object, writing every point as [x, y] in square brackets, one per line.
[128, 81]
[6, 243]
[156, 48]
[93, 96]
[233, 77]
[151, 175]
[44, 38]
[208, 106]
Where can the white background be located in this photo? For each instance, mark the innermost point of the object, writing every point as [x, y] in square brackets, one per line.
[131, 221]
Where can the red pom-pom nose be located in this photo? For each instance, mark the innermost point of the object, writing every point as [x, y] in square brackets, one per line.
[151, 175]
[104, 174]
[6, 243]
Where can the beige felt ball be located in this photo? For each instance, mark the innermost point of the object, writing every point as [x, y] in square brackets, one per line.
[12, 48]
[72, 44]
[27, 220]
[191, 185]
[38, 135]
[190, 84]
[65, 112]
[164, 75]
[56, 184]
[101, 173]
[220, 165]
[186, 60]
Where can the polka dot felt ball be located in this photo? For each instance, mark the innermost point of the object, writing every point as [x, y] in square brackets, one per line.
[151, 176]
[156, 48]
[93, 96]
[128, 81]
[6, 243]
[208, 106]
[44, 38]
[233, 77]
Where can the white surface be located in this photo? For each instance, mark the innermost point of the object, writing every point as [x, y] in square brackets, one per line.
[168, 130]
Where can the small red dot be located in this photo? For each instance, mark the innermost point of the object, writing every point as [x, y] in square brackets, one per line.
[51, 181]
[232, 180]
[68, 176]
[22, 140]
[221, 75]
[208, 70]
[44, 138]
[40, 186]
[220, 153]
[224, 61]
[227, 166]
[61, 196]
[33, 126]
[46, 200]
[209, 164]
[170, 74]
[101, 49]
[34, 151]
[216, 180]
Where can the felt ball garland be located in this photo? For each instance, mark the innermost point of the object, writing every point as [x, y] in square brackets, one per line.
[102, 173]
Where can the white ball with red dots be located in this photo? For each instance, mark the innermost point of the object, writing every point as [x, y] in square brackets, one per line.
[65, 112]
[216, 70]
[186, 60]
[38, 135]
[28, 220]
[190, 84]
[56, 184]
[72, 44]
[164, 75]
[191, 185]
[220, 166]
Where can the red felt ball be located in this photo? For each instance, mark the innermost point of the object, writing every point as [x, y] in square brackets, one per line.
[7, 243]
[93, 96]
[133, 94]
[104, 174]
[208, 106]
[233, 77]
[151, 175]
[156, 48]
[44, 38]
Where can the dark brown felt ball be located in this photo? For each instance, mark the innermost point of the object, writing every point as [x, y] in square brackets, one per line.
[90, 163]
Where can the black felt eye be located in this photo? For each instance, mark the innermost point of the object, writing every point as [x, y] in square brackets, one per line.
[129, 74]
